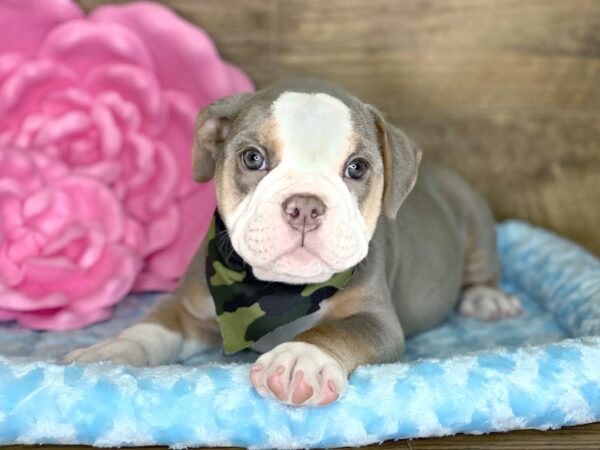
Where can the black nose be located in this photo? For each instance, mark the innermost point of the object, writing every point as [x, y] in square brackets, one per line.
[304, 212]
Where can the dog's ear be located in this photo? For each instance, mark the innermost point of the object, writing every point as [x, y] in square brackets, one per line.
[401, 159]
[212, 127]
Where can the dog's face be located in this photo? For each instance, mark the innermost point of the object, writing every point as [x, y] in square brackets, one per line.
[301, 178]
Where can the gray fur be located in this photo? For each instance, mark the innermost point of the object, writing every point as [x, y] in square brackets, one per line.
[212, 128]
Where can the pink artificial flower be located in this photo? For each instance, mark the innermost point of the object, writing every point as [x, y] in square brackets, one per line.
[112, 98]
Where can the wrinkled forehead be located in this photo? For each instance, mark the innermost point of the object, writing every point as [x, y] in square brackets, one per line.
[313, 130]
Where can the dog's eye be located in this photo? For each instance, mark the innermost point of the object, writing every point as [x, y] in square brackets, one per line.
[356, 169]
[253, 159]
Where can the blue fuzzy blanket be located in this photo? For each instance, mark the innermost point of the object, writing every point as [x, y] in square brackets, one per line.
[540, 370]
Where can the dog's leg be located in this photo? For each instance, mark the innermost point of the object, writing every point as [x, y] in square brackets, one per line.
[181, 325]
[313, 369]
[481, 297]
[169, 333]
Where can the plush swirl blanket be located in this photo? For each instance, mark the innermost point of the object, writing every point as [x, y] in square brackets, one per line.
[540, 370]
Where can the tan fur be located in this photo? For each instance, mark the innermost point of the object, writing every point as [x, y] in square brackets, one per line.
[353, 141]
[387, 161]
[189, 310]
[371, 206]
[345, 303]
[476, 264]
[477, 269]
[267, 134]
[173, 315]
[343, 341]
[228, 197]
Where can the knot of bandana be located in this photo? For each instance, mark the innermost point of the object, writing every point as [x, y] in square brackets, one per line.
[248, 308]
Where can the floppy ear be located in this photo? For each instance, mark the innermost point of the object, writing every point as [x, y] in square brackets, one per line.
[401, 159]
[212, 127]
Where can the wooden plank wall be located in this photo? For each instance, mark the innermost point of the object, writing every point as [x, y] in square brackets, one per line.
[507, 92]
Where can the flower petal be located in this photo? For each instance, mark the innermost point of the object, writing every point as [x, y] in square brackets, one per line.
[111, 279]
[120, 267]
[23, 248]
[163, 230]
[17, 301]
[55, 129]
[81, 284]
[110, 134]
[25, 87]
[31, 20]
[94, 202]
[83, 44]
[185, 58]
[105, 171]
[6, 314]
[196, 212]
[8, 64]
[148, 201]
[135, 236]
[10, 273]
[61, 320]
[179, 135]
[136, 85]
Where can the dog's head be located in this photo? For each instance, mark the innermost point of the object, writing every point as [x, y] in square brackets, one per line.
[302, 172]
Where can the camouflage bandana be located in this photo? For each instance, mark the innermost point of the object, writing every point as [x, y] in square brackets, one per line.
[248, 308]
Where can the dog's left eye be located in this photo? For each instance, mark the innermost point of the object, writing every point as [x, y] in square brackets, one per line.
[356, 169]
[253, 159]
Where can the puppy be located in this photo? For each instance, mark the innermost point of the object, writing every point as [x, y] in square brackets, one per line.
[327, 248]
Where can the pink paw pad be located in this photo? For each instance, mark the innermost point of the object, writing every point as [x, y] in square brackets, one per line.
[255, 378]
[301, 390]
[255, 374]
[275, 383]
[330, 393]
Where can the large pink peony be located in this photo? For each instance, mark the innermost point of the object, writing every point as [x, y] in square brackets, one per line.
[108, 102]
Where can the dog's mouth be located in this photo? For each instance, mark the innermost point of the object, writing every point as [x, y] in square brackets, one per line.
[302, 258]
[298, 265]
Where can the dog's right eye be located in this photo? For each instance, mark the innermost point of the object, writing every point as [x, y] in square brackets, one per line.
[253, 159]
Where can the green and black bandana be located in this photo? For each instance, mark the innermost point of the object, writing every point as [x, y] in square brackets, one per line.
[248, 308]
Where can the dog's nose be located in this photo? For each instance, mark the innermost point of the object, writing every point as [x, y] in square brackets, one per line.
[304, 212]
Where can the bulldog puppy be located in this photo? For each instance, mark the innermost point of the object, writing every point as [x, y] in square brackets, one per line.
[329, 247]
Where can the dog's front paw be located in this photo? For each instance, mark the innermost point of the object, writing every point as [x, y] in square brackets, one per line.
[298, 373]
[119, 350]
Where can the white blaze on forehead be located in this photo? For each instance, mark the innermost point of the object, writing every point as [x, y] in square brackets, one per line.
[315, 130]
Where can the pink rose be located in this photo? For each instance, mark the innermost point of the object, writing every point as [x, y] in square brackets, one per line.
[63, 257]
[112, 98]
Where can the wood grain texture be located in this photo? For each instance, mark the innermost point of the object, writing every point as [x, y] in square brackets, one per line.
[420, 56]
[540, 166]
